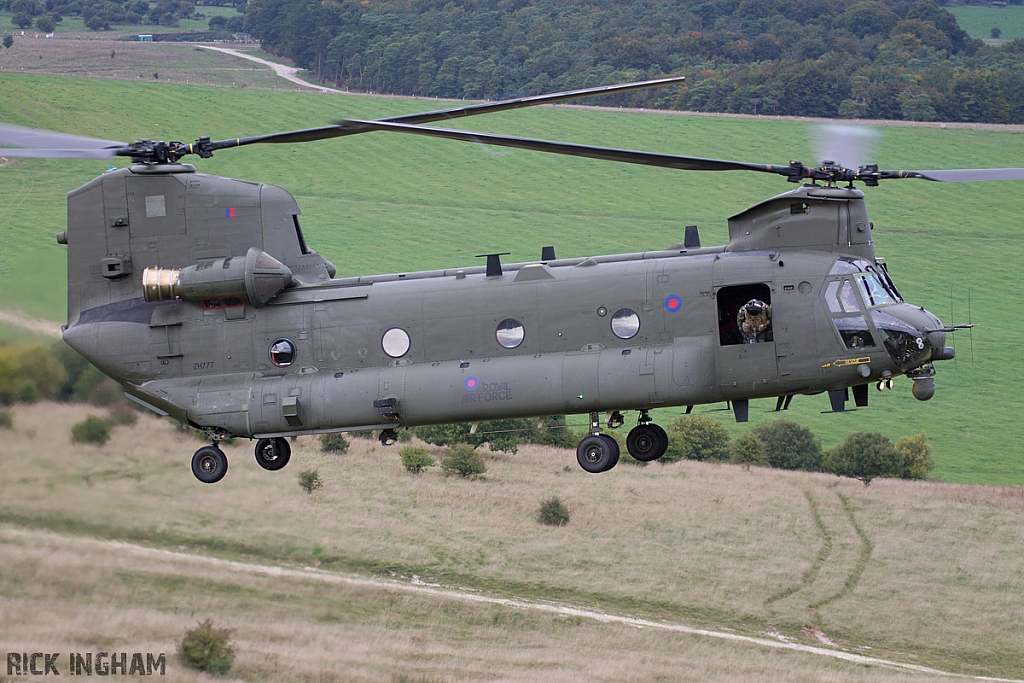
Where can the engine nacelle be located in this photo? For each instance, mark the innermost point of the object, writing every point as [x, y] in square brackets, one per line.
[257, 278]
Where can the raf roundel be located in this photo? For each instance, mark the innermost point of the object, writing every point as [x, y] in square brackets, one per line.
[673, 303]
[471, 383]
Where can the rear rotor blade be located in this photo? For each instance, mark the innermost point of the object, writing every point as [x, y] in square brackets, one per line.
[346, 128]
[44, 139]
[58, 153]
[30, 142]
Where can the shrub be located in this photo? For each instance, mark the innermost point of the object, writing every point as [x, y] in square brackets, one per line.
[46, 24]
[309, 481]
[463, 460]
[553, 513]
[502, 435]
[695, 437]
[334, 443]
[748, 450]
[416, 458]
[553, 432]
[864, 456]
[790, 446]
[207, 648]
[91, 430]
[123, 415]
[915, 456]
[29, 372]
[6, 420]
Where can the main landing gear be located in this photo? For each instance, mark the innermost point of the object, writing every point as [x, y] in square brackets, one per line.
[599, 452]
[209, 463]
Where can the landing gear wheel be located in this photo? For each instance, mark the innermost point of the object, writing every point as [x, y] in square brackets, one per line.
[597, 453]
[273, 454]
[647, 442]
[209, 464]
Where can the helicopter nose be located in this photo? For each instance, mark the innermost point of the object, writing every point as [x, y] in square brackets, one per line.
[912, 336]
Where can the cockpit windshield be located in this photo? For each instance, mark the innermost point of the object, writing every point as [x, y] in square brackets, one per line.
[875, 293]
[873, 282]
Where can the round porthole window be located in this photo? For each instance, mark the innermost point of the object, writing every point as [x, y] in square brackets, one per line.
[395, 342]
[510, 333]
[625, 323]
[282, 353]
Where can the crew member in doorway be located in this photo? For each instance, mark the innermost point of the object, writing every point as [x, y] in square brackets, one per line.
[755, 321]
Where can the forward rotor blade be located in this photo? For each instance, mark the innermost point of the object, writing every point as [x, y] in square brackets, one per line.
[45, 144]
[344, 128]
[605, 153]
[795, 171]
[963, 175]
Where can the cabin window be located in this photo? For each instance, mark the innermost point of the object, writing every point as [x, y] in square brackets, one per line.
[282, 353]
[625, 323]
[510, 333]
[395, 342]
[735, 324]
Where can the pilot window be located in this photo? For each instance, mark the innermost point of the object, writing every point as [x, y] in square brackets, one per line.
[855, 331]
[745, 314]
[841, 297]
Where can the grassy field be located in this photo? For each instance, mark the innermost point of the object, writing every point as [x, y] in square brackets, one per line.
[979, 21]
[374, 203]
[918, 573]
[118, 548]
[72, 24]
[101, 56]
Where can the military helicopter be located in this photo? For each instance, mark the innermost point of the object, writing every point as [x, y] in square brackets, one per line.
[200, 295]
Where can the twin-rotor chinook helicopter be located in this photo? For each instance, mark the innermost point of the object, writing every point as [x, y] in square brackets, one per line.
[201, 297]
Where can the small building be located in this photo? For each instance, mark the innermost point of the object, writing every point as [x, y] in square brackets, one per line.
[145, 37]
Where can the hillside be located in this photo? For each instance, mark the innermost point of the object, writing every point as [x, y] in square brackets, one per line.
[119, 548]
[375, 203]
[847, 59]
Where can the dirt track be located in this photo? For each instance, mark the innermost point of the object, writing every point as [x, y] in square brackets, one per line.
[415, 585]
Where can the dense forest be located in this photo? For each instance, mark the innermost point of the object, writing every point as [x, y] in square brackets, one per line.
[848, 58]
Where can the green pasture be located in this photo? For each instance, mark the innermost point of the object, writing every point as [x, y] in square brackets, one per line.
[979, 20]
[376, 203]
[72, 24]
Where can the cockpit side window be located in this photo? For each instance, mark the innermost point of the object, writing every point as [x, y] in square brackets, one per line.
[841, 297]
[855, 332]
[846, 308]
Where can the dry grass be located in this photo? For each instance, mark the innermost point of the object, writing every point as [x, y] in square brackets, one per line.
[88, 55]
[919, 572]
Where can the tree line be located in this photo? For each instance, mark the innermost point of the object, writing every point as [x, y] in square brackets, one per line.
[850, 58]
[890, 59]
[103, 15]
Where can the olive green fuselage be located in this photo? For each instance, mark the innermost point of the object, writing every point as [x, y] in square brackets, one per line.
[300, 351]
